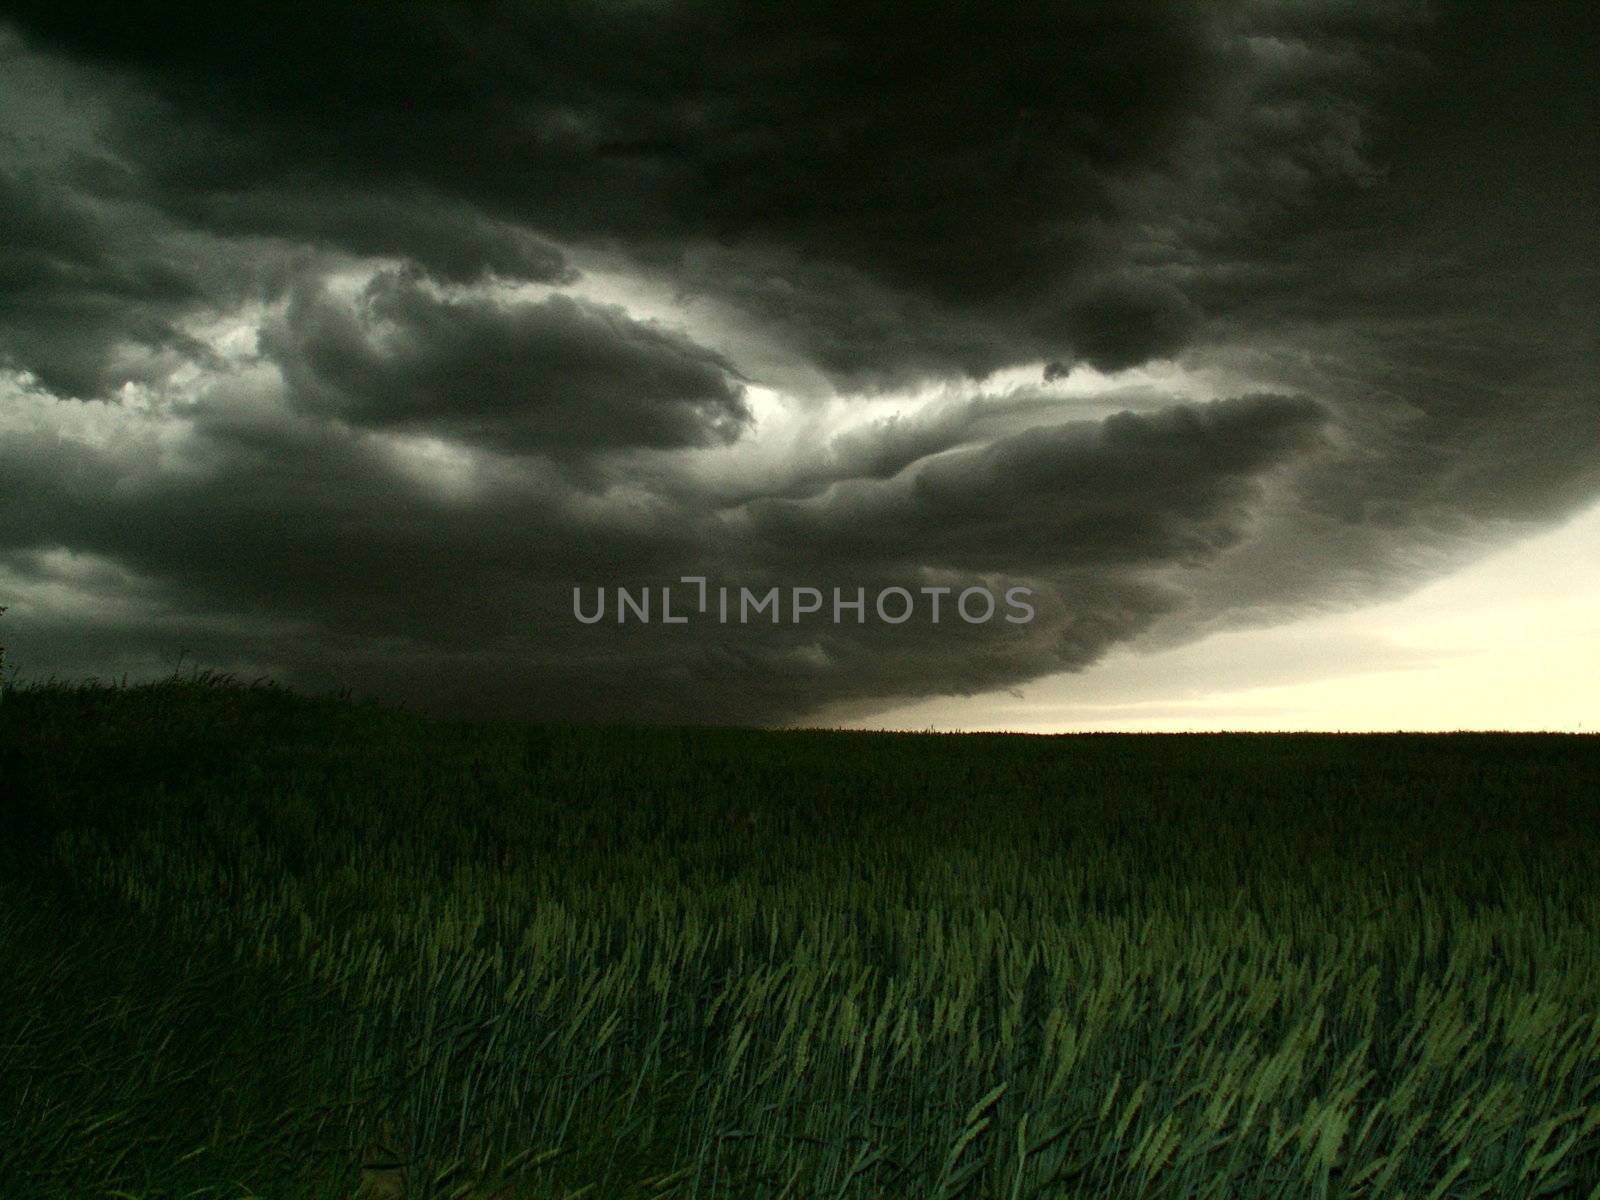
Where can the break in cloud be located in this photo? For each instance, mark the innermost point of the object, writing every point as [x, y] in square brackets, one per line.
[341, 342]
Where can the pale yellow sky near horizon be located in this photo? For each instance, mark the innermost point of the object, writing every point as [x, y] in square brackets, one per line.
[1512, 642]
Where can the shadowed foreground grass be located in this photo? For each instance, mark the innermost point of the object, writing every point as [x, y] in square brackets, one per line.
[260, 944]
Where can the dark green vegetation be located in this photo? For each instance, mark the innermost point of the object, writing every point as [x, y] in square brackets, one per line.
[249, 934]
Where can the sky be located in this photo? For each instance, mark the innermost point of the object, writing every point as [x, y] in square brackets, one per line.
[1242, 356]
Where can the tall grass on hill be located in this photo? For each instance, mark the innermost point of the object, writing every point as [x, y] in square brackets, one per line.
[261, 944]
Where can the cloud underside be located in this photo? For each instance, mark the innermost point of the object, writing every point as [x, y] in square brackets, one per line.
[552, 376]
[311, 368]
[370, 555]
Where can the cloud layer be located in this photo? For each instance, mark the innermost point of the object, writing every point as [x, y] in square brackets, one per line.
[555, 375]
[344, 344]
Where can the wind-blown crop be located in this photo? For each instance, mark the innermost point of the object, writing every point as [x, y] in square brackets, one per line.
[259, 940]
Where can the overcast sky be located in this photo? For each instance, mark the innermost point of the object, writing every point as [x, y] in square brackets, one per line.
[1256, 340]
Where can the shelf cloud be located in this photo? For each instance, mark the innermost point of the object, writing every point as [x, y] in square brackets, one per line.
[341, 343]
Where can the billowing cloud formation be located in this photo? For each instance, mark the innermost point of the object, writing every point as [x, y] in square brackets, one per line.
[1171, 487]
[523, 376]
[74, 289]
[344, 342]
[255, 522]
[970, 170]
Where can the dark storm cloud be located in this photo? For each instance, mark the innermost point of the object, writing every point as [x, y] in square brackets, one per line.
[1122, 323]
[1441, 289]
[451, 241]
[259, 512]
[95, 288]
[1170, 487]
[961, 168]
[75, 288]
[1380, 226]
[356, 573]
[551, 375]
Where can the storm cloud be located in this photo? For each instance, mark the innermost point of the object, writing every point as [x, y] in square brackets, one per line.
[342, 343]
[521, 376]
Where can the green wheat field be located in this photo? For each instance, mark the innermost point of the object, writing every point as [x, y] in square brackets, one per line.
[257, 944]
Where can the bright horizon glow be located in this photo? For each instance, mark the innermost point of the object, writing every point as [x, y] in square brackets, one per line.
[1510, 643]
